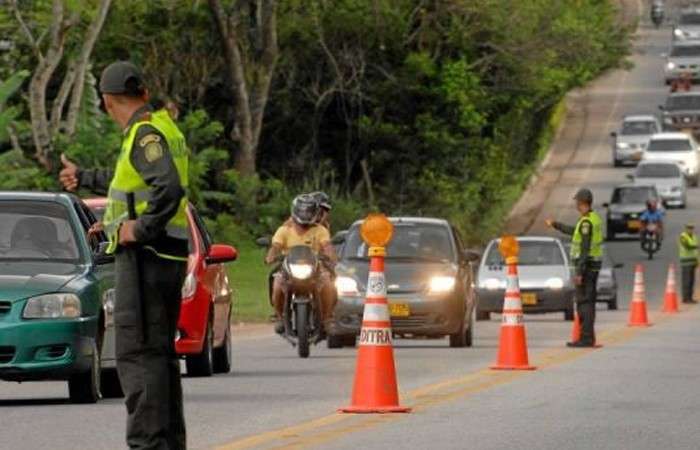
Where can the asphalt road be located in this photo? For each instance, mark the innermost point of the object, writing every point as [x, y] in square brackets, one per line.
[638, 391]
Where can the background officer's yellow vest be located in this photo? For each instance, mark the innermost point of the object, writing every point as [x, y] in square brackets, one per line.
[596, 250]
[684, 242]
[127, 180]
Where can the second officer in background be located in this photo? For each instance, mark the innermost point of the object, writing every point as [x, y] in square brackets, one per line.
[586, 255]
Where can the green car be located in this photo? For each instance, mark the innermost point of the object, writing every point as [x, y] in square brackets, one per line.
[56, 296]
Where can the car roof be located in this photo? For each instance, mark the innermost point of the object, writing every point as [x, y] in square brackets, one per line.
[670, 135]
[640, 118]
[417, 220]
[632, 185]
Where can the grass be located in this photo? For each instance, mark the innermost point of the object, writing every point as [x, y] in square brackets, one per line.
[248, 277]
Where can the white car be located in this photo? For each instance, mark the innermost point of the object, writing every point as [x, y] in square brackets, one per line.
[632, 137]
[680, 148]
[668, 178]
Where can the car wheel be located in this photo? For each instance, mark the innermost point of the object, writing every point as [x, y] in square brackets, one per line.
[222, 355]
[470, 333]
[202, 365]
[569, 315]
[334, 341]
[617, 163]
[482, 315]
[459, 339]
[695, 181]
[612, 304]
[110, 385]
[610, 234]
[350, 340]
[84, 387]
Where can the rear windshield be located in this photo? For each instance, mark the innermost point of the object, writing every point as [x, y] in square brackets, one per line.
[36, 231]
[532, 253]
[685, 50]
[633, 128]
[677, 102]
[411, 241]
[669, 145]
[690, 19]
[632, 195]
[658, 171]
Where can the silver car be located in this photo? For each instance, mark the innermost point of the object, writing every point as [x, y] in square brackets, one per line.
[630, 141]
[544, 274]
[688, 26]
[668, 178]
[683, 59]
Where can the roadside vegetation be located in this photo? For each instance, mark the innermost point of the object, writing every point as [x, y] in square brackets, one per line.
[423, 107]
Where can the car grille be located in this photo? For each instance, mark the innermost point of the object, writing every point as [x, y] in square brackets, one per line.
[685, 119]
[56, 351]
[688, 66]
[5, 307]
[6, 354]
[408, 322]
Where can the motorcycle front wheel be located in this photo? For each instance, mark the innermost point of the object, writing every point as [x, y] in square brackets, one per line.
[302, 327]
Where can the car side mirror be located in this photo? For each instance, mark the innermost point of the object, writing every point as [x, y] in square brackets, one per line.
[471, 256]
[613, 134]
[339, 237]
[263, 242]
[630, 176]
[100, 255]
[220, 253]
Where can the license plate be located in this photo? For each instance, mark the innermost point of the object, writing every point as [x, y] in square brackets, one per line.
[399, 310]
[529, 298]
[634, 224]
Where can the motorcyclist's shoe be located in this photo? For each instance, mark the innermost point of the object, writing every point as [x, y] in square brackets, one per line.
[580, 344]
[279, 327]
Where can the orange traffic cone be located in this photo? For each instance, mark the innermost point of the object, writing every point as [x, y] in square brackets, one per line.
[576, 327]
[375, 389]
[638, 307]
[512, 347]
[671, 296]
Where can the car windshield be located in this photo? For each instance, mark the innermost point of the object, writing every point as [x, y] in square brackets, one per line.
[685, 50]
[36, 231]
[532, 253]
[634, 128]
[632, 195]
[658, 171]
[411, 241]
[690, 19]
[680, 102]
[669, 145]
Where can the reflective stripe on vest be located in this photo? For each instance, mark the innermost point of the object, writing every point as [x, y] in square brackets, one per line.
[127, 180]
[684, 242]
[596, 250]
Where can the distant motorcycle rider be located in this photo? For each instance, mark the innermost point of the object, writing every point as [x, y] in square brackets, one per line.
[653, 215]
[303, 229]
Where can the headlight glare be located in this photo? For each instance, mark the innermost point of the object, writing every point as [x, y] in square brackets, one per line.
[622, 145]
[442, 284]
[301, 271]
[678, 32]
[493, 284]
[670, 65]
[52, 306]
[346, 286]
[554, 283]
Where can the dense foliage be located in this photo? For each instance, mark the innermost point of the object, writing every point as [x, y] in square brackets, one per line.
[431, 107]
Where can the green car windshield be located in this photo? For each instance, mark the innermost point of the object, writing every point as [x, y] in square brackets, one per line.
[36, 231]
[532, 253]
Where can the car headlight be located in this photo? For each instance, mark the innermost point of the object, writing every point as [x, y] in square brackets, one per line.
[668, 120]
[52, 306]
[442, 284]
[670, 65]
[493, 284]
[678, 32]
[622, 145]
[189, 287]
[554, 283]
[301, 271]
[346, 286]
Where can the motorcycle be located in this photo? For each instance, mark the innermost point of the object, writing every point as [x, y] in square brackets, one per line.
[657, 14]
[651, 241]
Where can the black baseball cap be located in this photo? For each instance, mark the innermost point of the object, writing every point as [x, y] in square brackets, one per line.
[584, 195]
[121, 78]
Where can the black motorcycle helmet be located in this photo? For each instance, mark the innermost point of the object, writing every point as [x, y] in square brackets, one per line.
[305, 209]
[584, 195]
[323, 199]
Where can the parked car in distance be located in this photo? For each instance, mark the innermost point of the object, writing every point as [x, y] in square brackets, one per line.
[544, 274]
[627, 203]
[687, 28]
[429, 283]
[681, 112]
[204, 327]
[683, 59]
[680, 148]
[632, 138]
[56, 296]
[606, 288]
[667, 177]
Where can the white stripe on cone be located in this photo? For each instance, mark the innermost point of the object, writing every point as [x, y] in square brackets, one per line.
[376, 313]
[512, 302]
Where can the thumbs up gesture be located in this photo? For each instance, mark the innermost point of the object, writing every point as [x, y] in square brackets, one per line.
[69, 174]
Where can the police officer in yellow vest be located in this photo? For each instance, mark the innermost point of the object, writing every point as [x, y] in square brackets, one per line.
[688, 254]
[586, 255]
[150, 251]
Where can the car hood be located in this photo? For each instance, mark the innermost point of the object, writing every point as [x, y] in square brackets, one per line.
[530, 277]
[660, 183]
[683, 59]
[636, 139]
[400, 276]
[19, 281]
[628, 208]
[667, 156]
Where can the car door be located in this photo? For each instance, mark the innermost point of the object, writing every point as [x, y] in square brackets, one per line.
[466, 272]
[103, 271]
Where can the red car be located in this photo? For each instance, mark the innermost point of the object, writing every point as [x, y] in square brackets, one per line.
[204, 328]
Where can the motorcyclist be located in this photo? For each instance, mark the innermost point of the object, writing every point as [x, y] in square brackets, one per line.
[303, 229]
[652, 215]
[324, 202]
[657, 12]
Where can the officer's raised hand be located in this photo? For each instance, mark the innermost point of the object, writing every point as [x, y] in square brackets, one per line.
[69, 174]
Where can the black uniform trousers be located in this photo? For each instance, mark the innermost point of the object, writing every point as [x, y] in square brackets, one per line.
[585, 305]
[687, 280]
[149, 371]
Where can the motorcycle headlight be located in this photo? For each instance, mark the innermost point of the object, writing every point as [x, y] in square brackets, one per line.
[52, 306]
[493, 284]
[670, 65]
[442, 284]
[346, 286]
[301, 271]
[554, 283]
[189, 287]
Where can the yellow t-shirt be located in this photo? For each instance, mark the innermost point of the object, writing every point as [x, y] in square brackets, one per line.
[315, 237]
